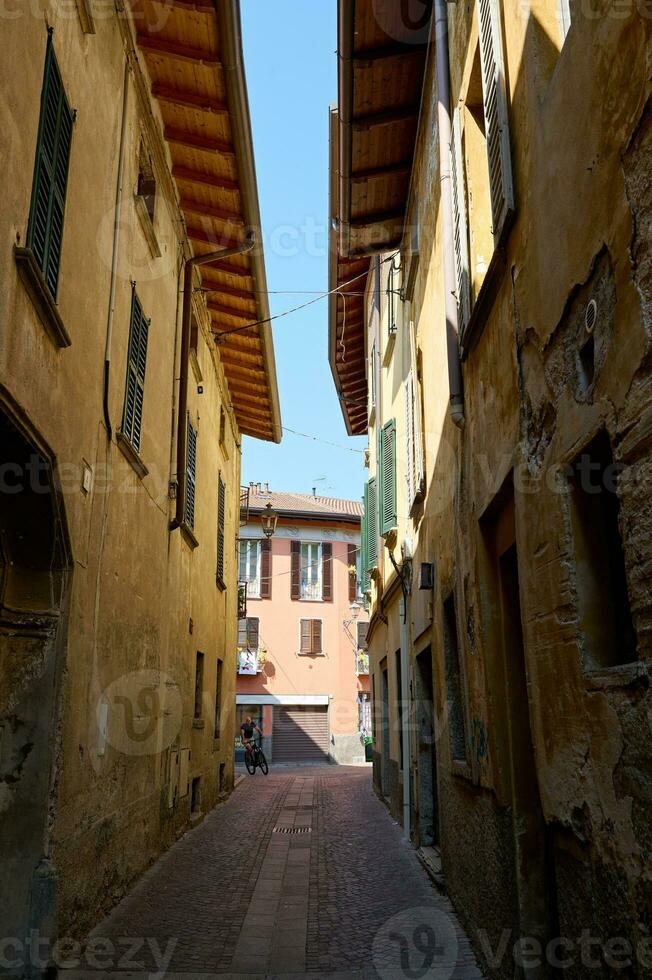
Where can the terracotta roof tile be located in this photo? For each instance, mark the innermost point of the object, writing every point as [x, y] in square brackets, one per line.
[304, 503]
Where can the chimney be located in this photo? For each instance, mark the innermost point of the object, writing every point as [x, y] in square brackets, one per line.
[267, 488]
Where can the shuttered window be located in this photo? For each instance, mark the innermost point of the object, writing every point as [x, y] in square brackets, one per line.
[311, 636]
[295, 569]
[248, 633]
[266, 569]
[250, 567]
[45, 230]
[327, 572]
[362, 629]
[132, 417]
[352, 562]
[414, 435]
[388, 477]
[495, 113]
[460, 227]
[372, 524]
[221, 518]
[191, 475]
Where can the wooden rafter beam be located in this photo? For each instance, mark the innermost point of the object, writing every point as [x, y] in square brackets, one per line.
[197, 177]
[213, 286]
[223, 310]
[371, 55]
[202, 6]
[174, 49]
[212, 237]
[193, 141]
[187, 98]
[379, 218]
[391, 170]
[221, 214]
[384, 118]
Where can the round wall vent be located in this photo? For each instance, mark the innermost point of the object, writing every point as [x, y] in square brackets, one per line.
[591, 316]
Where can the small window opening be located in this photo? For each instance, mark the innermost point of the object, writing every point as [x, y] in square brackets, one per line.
[199, 684]
[608, 637]
[195, 797]
[146, 181]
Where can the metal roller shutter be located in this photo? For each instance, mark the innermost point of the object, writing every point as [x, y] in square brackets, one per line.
[301, 733]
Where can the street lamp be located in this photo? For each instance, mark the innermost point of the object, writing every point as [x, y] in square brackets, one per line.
[269, 520]
[354, 609]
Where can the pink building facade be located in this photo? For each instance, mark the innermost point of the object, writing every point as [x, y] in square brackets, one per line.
[303, 667]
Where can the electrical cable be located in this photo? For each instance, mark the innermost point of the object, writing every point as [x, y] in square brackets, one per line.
[336, 445]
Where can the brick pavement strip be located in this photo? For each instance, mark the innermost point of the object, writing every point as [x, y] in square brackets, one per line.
[345, 897]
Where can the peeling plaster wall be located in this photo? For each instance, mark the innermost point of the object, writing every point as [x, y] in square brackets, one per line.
[581, 139]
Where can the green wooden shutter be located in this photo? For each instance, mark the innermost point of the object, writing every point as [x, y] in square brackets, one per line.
[364, 543]
[132, 418]
[372, 524]
[494, 91]
[388, 477]
[221, 516]
[191, 475]
[45, 230]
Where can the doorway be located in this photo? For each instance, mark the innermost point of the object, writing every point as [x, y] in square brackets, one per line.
[384, 775]
[33, 592]
[428, 822]
[535, 891]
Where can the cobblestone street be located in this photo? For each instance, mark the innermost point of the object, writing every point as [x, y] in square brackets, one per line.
[284, 878]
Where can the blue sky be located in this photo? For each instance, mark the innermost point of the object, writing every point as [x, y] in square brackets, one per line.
[291, 66]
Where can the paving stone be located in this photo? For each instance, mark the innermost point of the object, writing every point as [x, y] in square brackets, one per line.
[249, 904]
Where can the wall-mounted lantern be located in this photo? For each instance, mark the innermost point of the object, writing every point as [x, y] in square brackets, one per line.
[269, 520]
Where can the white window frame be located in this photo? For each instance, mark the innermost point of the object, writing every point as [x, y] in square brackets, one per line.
[311, 563]
[564, 18]
[253, 585]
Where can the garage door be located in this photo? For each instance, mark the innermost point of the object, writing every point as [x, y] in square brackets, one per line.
[301, 733]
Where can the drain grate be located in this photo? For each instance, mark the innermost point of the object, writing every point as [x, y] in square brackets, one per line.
[292, 830]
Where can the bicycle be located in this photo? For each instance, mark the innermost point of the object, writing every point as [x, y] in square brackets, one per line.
[256, 758]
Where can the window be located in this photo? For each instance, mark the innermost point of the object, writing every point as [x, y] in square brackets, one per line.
[413, 428]
[248, 633]
[249, 570]
[311, 636]
[199, 684]
[218, 699]
[195, 795]
[388, 477]
[45, 229]
[352, 563]
[191, 475]
[221, 517]
[483, 196]
[222, 426]
[146, 181]
[454, 683]
[362, 630]
[608, 636]
[132, 416]
[312, 571]
[372, 383]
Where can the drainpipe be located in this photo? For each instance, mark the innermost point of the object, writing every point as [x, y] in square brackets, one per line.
[456, 406]
[114, 255]
[186, 323]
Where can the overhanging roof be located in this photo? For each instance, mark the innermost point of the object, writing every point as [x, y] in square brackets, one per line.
[346, 306]
[193, 53]
[381, 61]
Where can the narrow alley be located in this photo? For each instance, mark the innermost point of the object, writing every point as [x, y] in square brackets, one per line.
[283, 878]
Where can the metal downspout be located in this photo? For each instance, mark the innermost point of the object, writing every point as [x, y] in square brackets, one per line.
[114, 254]
[456, 406]
[186, 323]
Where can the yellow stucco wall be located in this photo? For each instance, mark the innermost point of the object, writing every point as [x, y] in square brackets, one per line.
[141, 601]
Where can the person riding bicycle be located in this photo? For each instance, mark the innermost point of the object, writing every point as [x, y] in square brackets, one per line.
[247, 730]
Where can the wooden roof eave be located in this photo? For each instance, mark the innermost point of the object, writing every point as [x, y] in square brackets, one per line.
[351, 418]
